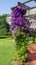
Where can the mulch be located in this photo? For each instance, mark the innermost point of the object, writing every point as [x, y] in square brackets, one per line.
[31, 59]
[32, 54]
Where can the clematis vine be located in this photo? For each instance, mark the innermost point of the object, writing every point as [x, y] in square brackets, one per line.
[18, 18]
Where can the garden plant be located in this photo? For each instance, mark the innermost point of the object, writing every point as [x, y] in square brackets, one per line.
[20, 29]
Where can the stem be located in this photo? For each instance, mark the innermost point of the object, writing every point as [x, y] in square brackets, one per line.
[34, 38]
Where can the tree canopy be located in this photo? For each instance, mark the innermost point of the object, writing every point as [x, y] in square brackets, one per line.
[4, 27]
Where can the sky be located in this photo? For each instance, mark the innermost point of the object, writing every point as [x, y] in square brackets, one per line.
[5, 5]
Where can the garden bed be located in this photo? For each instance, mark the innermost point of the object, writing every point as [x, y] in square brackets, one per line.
[31, 60]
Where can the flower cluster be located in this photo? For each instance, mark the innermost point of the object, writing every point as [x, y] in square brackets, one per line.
[18, 18]
[19, 11]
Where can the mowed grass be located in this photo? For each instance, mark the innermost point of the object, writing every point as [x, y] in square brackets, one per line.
[6, 51]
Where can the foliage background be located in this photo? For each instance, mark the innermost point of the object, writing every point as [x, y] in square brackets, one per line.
[4, 27]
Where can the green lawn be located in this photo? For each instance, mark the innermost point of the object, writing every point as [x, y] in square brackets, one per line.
[6, 51]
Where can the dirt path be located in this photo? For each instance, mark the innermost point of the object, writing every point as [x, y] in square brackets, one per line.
[32, 54]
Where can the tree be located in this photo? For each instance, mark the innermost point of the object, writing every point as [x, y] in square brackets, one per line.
[4, 27]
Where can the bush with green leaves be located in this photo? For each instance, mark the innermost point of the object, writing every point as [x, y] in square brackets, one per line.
[4, 27]
[21, 46]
